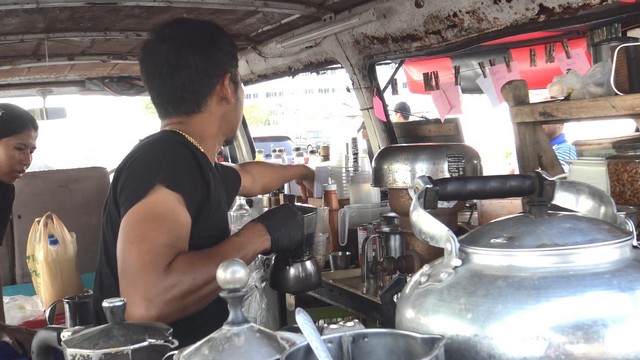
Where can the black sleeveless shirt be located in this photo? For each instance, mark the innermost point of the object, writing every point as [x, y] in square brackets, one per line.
[208, 190]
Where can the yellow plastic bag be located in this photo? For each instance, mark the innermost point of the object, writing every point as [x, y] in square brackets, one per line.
[51, 259]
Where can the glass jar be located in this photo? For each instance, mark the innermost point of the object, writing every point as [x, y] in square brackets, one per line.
[624, 173]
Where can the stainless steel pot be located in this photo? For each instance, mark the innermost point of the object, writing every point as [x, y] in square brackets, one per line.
[374, 344]
[114, 341]
[396, 166]
[536, 285]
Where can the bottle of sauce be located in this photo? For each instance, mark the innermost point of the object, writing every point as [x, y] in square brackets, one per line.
[330, 200]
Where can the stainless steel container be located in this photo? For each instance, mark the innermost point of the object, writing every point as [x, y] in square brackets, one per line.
[374, 344]
[537, 285]
[396, 166]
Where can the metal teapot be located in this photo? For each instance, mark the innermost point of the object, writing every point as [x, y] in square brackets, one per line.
[238, 338]
[113, 341]
[536, 285]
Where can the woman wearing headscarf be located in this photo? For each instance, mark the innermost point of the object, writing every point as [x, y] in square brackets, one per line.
[18, 134]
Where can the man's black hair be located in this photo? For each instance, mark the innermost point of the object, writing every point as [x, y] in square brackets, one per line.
[15, 120]
[403, 109]
[183, 61]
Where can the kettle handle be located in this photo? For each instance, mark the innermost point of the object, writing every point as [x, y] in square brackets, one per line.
[46, 342]
[171, 355]
[50, 312]
[480, 187]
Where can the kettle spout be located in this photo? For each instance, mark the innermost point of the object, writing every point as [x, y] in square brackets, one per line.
[46, 343]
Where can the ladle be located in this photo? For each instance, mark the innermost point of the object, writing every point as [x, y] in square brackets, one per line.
[313, 336]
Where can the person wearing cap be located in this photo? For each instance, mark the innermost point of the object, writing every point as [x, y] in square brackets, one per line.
[18, 134]
[402, 111]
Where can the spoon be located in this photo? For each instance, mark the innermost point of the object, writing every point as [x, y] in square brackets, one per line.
[313, 336]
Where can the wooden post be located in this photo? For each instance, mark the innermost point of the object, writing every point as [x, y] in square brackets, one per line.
[532, 146]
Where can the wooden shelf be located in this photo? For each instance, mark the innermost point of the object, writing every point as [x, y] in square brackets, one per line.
[609, 107]
[532, 146]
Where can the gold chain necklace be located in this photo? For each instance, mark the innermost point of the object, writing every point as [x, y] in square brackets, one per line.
[191, 140]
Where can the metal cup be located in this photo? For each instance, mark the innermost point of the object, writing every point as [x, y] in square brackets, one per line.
[339, 260]
[78, 310]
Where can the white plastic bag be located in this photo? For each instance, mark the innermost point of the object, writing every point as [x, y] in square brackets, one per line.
[595, 83]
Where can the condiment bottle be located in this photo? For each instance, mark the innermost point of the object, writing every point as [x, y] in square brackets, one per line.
[330, 200]
[259, 155]
[325, 152]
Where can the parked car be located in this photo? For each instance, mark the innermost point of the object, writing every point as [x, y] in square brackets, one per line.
[311, 140]
[266, 143]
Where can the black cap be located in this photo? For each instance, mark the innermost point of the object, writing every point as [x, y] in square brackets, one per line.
[403, 108]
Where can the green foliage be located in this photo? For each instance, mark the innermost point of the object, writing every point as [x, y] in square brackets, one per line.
[257, 115]
[149, 109]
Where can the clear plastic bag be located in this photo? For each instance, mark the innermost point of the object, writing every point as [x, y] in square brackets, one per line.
[20, 308]
[255, 303]
[594, 83]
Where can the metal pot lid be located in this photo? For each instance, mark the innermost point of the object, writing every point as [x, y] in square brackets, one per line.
[244, 342]
[126, 335]
[118, 334]
[238, 338]
[557, 231]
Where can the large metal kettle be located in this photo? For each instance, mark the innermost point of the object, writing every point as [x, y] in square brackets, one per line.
[113, 341]
[536, 285]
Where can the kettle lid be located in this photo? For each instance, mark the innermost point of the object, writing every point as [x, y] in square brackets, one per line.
[118, 334]
[558, 230]
[238, 338]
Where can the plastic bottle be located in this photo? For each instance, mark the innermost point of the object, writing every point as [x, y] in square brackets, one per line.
[239, 215]
[284, 158]
[330, 200]
[53, 240]
[259, 155]
[314, 158]
[298, 155]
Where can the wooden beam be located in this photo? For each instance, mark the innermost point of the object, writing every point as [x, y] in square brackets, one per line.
[532, 146]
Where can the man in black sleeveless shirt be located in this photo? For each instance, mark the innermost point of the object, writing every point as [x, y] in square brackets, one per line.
[165, 227]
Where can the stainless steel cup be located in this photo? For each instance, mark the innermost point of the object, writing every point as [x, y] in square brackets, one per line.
[78, 310]
[339, 260]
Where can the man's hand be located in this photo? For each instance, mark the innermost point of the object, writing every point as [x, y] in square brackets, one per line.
[18, 337]
[285, 226]
[306, 183]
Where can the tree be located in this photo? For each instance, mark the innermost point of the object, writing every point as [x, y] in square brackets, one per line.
[257, 115]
